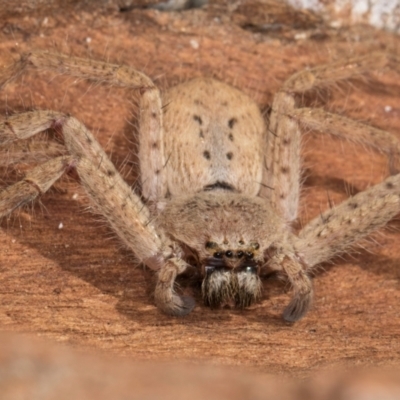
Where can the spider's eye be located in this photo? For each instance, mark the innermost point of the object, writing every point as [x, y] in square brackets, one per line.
[218, 254]
[255, 245]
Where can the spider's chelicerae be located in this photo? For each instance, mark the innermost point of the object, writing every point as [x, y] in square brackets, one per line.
[220, 187]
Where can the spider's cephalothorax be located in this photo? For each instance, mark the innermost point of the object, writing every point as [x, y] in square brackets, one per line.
[218, 182]
[223, 227]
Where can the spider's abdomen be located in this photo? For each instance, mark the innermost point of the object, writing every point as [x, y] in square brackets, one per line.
[213, 138]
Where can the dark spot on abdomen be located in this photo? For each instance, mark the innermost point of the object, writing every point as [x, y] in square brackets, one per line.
[232, 122]
[206, 155]
[285, 170]
[198, 119]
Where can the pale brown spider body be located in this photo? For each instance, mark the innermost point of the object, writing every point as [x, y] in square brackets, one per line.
[221, 186]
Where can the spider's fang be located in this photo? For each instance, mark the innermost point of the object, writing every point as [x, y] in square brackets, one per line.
[223, 286]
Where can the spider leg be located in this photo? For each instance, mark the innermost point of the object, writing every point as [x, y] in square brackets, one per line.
[345, 128]
[151, 152]
[332, 233]
[335, 230]
[283, 141]
[122, 208]
[35, 183]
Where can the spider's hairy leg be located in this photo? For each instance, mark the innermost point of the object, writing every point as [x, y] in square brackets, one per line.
[326, 75]
[113, 198]
[151, 152]
[282, 160]
[132, 222]
[335, 230]
[348, 129]
[35, 183]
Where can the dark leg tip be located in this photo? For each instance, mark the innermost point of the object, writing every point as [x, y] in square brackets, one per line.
[297, 308]
[180, 306]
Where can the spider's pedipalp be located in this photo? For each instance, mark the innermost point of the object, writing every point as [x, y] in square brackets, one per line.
[292, 266]
[165, 296]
